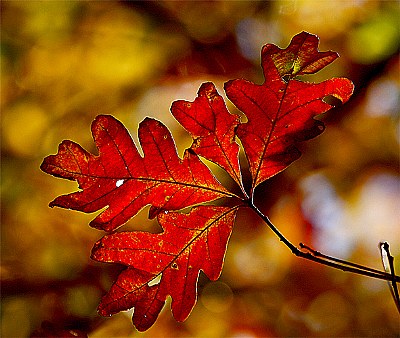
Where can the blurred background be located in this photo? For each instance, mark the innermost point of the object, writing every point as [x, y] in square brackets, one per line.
[64, 62]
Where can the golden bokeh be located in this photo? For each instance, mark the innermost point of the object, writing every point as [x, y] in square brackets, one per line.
[64, 62]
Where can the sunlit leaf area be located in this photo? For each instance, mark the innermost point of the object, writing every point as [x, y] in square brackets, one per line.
[65, 62]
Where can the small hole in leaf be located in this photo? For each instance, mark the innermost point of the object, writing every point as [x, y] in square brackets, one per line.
[174, 266]
[332, 100]
[156, 280]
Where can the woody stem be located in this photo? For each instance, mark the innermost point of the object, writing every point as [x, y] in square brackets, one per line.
[320, 258]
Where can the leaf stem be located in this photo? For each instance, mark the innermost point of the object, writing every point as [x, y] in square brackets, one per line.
[320, 258]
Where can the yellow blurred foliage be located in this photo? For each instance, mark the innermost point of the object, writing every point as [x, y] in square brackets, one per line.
[23, 126]
[327, 19]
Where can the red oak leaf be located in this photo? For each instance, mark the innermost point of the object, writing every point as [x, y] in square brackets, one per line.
[212, 127]
[120, 178]
[281, 113]
[190, 243]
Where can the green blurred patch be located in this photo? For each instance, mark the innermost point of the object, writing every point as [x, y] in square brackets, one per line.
[377, 38]
[82, 301]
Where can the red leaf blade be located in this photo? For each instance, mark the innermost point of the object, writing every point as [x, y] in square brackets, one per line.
[123, 181]
[190, 243]
[212, 127]
[280, 114]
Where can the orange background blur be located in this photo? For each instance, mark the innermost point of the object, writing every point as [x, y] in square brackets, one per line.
[64, 62]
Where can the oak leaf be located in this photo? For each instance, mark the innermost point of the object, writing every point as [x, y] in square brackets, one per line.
[190, 243]
[212, 128]
[120, 178]
[281, 111]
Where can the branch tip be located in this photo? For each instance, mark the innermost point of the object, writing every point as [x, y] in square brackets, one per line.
[388, 265]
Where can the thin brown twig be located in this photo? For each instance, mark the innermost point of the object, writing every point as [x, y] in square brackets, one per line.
[320, 258]
[333, 259]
